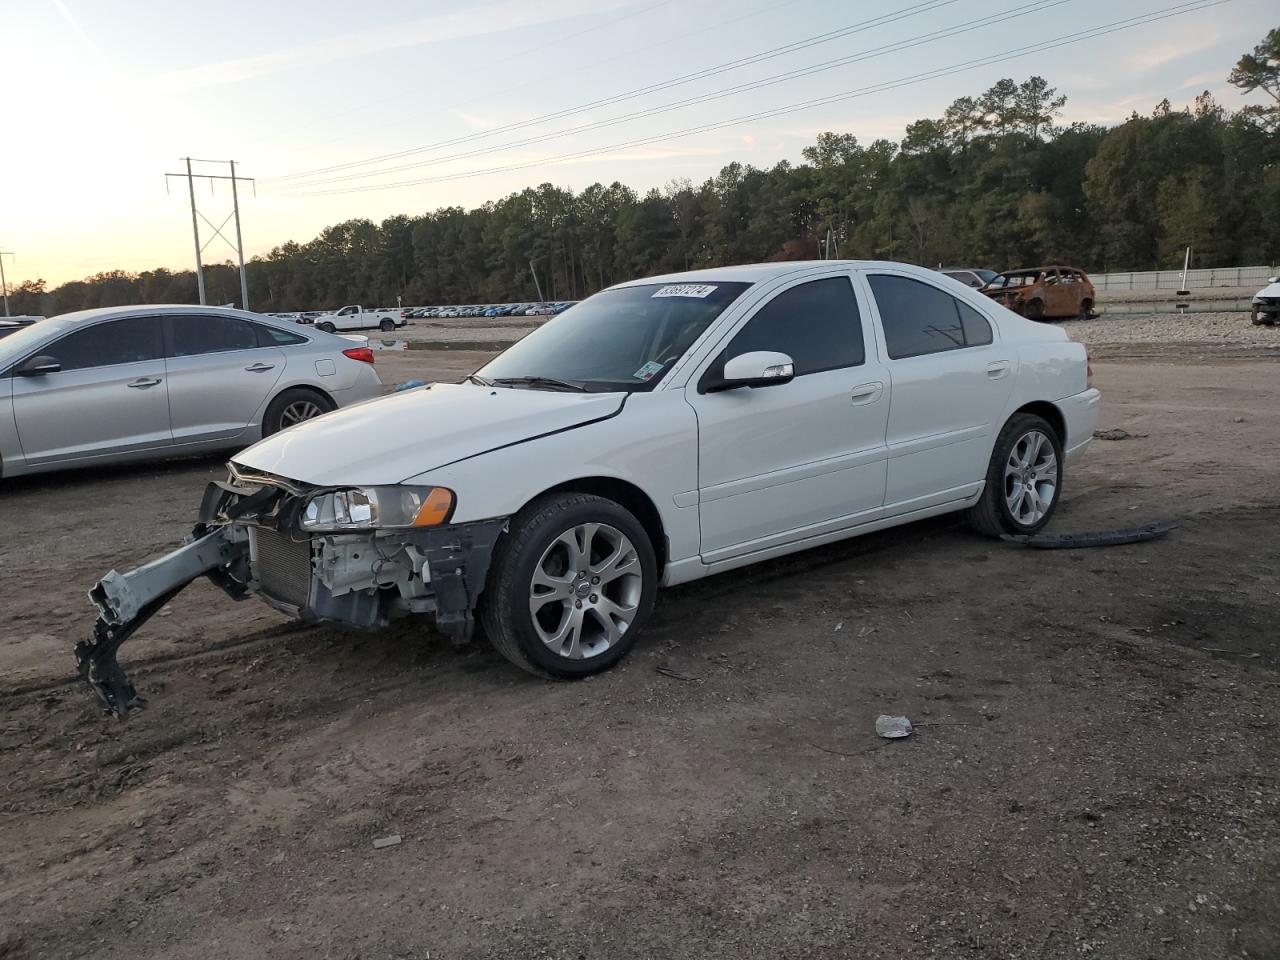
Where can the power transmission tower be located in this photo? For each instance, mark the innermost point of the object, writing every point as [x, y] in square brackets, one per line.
[197, 216]
[4, 286]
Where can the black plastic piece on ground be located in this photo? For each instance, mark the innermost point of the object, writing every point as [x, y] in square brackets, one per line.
[1107, 538]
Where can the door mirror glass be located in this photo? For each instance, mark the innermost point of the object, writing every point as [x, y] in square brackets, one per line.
[39, 366]
[760, 368]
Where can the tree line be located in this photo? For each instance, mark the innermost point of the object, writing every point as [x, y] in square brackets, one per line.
[995, 182]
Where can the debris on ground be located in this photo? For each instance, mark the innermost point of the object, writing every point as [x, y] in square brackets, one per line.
[1104, 538]
[666, 671]
[390, 841]
[892, 728]
[1118, 434]
[839, 627]
[410, 385]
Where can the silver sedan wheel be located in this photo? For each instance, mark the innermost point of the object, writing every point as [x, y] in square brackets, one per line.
[1030, 478]
[298, 411]
[586, 590]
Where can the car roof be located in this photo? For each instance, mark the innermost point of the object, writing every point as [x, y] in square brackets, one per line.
[757, 272]
[155, 309]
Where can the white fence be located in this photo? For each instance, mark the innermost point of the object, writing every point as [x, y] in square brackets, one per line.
[1172, 279]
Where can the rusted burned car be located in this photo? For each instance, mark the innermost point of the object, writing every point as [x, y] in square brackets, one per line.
[1041, 293]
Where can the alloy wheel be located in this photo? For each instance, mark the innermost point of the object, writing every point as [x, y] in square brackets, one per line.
[298, 411]
[1030, 478]
[585, 591]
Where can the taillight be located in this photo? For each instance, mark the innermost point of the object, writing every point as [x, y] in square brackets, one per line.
[363, 354]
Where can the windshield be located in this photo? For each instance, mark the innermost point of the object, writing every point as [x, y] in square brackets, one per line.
[1013, 280]
[626, 338]
[17, 344]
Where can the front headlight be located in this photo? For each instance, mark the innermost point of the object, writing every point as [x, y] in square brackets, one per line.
[378, 508]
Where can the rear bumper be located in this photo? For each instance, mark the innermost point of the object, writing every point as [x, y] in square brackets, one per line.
[367, 386]
[1081, 415]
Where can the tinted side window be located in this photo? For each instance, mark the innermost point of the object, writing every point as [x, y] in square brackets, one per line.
[977, 331]
[273, 336]
[920, 319]
[195, 334]
[131, 340]
[816, 324]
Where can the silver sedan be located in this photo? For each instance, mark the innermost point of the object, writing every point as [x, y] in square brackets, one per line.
[133, 383]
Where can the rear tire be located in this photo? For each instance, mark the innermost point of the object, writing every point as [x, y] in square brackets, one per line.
[293, 407]
[571, 586]
[1024, 479]
[386, 326]
[1034, 310]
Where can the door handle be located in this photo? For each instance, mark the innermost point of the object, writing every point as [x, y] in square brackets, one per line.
[260, 367]
[867, 393]
[143, 382]
[998, 370]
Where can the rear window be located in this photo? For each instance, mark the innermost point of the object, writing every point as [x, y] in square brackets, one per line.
[275, 337]
[919, 319]
[195, 334]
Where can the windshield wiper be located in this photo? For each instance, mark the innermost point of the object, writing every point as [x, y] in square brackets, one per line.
[476, 378]
[551, 382]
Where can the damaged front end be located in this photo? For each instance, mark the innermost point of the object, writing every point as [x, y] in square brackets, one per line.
[356, 556]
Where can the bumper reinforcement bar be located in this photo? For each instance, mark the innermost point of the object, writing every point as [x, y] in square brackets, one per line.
[126, 601]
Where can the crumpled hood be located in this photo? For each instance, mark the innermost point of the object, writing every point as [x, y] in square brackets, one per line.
[392, 438]
[1270, 291]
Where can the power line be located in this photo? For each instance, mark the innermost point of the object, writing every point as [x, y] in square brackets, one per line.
[1036, 6]
[558, 40]
[1092, 33]
[918, 8]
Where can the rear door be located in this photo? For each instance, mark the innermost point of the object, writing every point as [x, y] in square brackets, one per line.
[951, 382]
[222, 370]
[110, 397]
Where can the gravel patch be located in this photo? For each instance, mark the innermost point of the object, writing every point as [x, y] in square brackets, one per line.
[1207, 328]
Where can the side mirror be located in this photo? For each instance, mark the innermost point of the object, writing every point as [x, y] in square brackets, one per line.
[38, 366]
[1274, 280]
[760, 368]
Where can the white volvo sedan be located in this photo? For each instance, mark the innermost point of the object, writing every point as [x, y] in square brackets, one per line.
[661, 431]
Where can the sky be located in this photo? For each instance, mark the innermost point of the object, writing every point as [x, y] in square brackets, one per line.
[103, 97]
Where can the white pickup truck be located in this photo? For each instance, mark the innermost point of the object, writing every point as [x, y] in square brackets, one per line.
[356, 317]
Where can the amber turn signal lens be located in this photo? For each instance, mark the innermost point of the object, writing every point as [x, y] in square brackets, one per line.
[435, 509]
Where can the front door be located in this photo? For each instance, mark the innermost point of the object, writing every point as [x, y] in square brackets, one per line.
[782, 463]
[951, 382]
[220, 377]
[109, 397]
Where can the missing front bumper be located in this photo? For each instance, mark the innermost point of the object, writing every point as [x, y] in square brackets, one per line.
[247, 542]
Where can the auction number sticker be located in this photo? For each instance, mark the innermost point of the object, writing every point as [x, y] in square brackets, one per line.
[698, 290]
[648, 371]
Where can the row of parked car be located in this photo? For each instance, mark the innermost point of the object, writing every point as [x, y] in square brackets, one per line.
[531, 309]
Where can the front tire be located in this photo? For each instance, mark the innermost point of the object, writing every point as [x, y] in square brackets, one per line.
[1034, 310]
[327, 327]
[571, 586]
[1024, 479]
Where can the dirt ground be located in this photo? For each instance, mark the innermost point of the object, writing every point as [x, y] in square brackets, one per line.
[1094, 771]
